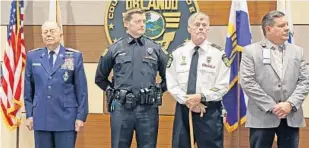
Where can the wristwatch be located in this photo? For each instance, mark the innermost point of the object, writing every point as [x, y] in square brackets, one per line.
[292, 106]
[203, 98]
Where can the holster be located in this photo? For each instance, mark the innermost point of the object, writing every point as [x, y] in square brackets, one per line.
[158, 94]
[122, 96]
[109, 97]
[131, 101]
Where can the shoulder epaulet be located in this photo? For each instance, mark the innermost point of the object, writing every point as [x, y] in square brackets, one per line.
[178, 47]
[116, 41]
[151, 40]
[72, 50]
[216, 46]
[183, 44]
[35, 49]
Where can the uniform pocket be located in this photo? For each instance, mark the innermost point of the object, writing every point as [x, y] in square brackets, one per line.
[122, 65]
[183, 74]
[149, 67]
[208, 73]
[69, 103]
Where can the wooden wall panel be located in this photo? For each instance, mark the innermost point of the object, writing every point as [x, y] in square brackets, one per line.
[90, 40]
[219, 11]
[96, 134]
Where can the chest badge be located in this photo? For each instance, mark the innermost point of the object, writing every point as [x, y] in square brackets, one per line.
[150, 51]
[183, 60]
[208, 59]
[66, 76]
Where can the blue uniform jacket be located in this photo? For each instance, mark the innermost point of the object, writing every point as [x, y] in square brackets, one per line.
[55, 97]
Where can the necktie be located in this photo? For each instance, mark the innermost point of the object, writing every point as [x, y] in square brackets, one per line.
[191, 89]
[278, 55]
[51, 59]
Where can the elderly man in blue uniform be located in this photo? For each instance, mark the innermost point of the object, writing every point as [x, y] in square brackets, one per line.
[56, 95]
[133, 95]
[197, 75]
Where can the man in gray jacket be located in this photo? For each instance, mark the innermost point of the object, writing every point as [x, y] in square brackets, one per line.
[274, 76]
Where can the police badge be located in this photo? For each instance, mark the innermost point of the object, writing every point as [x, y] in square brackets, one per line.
[65, 76]
[150, 51]
[183, 62]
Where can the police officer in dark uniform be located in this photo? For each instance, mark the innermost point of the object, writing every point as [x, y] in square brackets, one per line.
[133, 96]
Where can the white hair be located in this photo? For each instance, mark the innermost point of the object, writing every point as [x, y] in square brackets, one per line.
[196, 16]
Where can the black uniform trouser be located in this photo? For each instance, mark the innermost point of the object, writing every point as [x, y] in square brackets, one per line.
[144, 119]
[208, 130]
[288, 137]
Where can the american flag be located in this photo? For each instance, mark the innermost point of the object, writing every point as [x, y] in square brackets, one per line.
[13, 66]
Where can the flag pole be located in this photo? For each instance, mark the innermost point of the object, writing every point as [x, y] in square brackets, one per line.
[17, 137]
[16, 42]
[238, 98]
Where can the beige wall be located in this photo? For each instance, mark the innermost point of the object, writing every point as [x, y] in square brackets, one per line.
[73, 12]
[3, 35]
[300, 11]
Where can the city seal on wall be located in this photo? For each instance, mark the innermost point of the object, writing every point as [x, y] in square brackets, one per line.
[166, 20]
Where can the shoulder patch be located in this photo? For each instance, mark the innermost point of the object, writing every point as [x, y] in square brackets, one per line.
[170, 60]
[226, 60]
[71, 49]
[216, 46]
[104, 52]
[35, 49]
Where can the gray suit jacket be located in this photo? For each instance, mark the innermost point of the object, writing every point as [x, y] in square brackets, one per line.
[260, 80]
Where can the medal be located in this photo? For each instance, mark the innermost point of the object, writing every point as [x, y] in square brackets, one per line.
[66, 76]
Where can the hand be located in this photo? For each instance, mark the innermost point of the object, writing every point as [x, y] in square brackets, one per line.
[200, 108]
[29, 123]
[193, 100]
[195, 109]
[78, 125]
[282, 109]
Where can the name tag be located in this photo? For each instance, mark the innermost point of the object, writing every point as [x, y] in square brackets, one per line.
[266, 61]
[36, 64]
[266, 56]
[266, 53]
